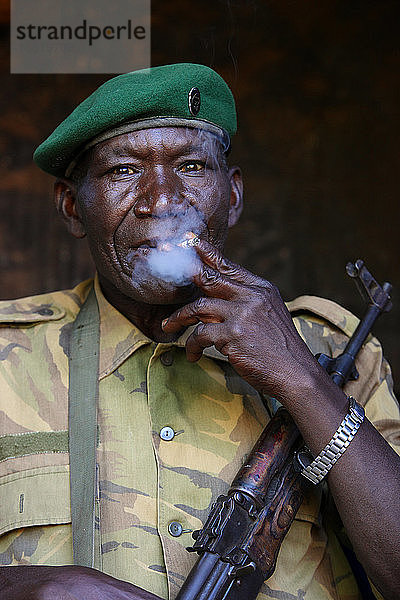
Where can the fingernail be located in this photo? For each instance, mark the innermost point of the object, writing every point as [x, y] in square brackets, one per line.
[164, 322]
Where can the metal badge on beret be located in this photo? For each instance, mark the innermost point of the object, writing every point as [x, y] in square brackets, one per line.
[194, 101]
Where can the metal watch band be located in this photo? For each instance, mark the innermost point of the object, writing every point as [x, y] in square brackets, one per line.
[318, 469]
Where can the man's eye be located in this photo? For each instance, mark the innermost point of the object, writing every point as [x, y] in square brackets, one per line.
[123, 170]
[192, 167]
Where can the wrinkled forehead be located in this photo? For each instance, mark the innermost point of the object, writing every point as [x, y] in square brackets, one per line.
[171, 141]
[174, 136]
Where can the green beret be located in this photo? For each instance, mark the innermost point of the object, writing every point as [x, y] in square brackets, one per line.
[184, 94]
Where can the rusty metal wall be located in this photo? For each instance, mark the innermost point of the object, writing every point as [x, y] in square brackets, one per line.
[318, 94]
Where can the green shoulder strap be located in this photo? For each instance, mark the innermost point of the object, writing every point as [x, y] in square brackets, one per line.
[83, 396]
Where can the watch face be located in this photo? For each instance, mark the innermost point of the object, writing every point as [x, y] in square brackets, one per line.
[356, 409]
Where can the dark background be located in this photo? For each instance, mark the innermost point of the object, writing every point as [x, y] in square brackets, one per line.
[317, 90]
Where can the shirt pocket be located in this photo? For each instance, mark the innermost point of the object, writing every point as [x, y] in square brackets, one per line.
[35, 517]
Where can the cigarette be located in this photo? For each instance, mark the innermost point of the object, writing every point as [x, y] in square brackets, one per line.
[190, 239]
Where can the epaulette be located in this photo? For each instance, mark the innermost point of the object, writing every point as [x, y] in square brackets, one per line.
[324, 309]
[35, 309]
[50, 306]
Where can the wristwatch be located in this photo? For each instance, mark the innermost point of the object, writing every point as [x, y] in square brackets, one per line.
[319, 467]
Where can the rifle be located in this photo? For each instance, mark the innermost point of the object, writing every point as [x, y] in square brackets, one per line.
[240, 541]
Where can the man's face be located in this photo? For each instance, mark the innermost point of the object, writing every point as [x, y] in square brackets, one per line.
[142, 192]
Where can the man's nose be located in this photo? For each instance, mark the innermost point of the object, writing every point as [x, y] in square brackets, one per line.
[159, 196]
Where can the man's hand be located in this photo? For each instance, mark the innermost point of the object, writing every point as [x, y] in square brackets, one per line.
[245, 318]
[65, 583]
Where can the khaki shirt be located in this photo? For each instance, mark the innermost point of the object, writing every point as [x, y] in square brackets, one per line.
[146, 482]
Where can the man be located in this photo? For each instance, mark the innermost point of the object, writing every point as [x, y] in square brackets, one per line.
[183, 367]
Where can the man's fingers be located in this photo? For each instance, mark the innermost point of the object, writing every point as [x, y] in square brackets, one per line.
[216, 260]
[204, 336]
[216, 285]
[206, 310]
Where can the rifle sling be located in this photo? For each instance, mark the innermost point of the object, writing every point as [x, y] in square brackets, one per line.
[82, 425]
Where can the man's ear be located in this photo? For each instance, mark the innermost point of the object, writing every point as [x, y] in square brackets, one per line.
[66, 204]
[236, 206]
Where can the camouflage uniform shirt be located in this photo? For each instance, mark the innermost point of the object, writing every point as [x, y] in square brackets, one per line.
[147, 482]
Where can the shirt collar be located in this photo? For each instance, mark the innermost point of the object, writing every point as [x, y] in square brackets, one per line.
[119, 338]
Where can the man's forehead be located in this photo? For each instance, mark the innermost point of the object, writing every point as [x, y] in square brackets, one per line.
[181, 140]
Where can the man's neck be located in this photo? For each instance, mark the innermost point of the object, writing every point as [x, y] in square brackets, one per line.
[146, 317]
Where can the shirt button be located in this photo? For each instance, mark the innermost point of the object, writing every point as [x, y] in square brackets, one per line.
[167, 434]
[175, 529]
[167, 359]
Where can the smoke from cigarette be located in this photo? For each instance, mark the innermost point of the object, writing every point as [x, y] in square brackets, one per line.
[175, 262]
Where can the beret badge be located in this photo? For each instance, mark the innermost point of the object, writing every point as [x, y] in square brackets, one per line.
[194, 101]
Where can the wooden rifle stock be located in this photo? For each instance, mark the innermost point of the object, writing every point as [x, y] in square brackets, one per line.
[240, 541]
[241, 538]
